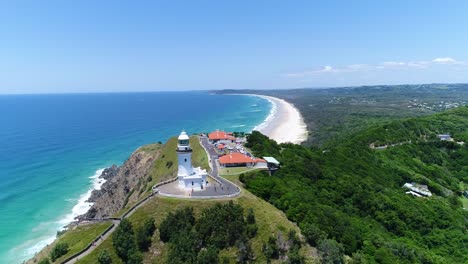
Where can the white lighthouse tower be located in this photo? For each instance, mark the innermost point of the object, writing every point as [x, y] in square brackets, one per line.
[188, 177]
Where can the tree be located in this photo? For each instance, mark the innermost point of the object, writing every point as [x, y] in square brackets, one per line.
[330, 251]
[104, 257]
[250, 217]
[60, 249]
[229, 227]
[123, 239]
[294, 257]
[44, 261]
[312, 233]
[134, 257]
[144, 234]
[271, 249]
[179, 222]
[245, 254]
[208, 256]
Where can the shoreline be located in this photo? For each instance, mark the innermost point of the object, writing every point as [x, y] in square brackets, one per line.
[82, 205]
[284, 123]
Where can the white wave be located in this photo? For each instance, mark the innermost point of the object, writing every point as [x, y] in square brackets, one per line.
[237, 126]
[29, 248]
[82, 205]
[270, 116]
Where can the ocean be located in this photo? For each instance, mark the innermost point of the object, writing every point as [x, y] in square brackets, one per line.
[53, 147]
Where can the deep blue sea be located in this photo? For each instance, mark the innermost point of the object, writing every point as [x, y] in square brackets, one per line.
[51, 147]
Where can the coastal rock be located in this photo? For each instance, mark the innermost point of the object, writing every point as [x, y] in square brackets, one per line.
[124, 185]
[107, 175]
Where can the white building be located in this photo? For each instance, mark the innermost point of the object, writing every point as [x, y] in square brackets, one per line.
[188, 177]
[417, 189]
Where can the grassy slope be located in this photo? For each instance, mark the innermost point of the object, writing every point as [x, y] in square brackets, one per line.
[165, 166]
[77, 239]
[269, 219]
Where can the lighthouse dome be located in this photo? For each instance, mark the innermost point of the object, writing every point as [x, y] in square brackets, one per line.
[183, 136]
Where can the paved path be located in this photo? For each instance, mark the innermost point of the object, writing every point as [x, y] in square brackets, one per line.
[96, 244]
[116, 223]
[213, 157]
[221, 188]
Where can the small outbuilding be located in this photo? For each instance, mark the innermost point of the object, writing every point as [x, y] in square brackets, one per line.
[419, 189]
[272, 163]
[445, 137]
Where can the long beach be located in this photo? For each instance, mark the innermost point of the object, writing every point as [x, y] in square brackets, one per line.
[285, 123]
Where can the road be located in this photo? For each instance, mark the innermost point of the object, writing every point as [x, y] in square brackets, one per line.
[214, 189]
[213, 156]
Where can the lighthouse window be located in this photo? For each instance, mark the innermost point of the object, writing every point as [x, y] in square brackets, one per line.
[192, 183]
[185, 160]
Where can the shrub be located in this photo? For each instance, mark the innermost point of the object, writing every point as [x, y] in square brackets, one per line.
[123, 240]
[208, 256]
[59, 250]
[44, 261]
[271, 249]
[104, 257]
[144, 234]
[330, 251]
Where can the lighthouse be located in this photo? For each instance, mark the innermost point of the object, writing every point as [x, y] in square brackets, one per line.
[188, 176]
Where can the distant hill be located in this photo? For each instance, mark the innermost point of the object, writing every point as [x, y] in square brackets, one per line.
[350, 196]
[336, 113]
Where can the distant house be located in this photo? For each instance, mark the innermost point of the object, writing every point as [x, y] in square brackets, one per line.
[221, 136]
[445, 137]
[417, 189]
[237, 159]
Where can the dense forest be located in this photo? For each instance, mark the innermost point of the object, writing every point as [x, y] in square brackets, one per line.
[348, 198]
[333, 114]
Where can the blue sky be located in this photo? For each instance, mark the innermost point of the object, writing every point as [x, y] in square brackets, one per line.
[102, 46]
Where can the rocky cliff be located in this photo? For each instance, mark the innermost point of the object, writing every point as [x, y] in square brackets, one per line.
[125, 184]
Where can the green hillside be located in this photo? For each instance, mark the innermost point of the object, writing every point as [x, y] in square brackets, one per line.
[348, 199]
[269, 221]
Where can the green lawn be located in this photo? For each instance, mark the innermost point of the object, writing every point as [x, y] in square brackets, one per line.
[165, 166]
[77, 239]
[235, 170]
[270, 221]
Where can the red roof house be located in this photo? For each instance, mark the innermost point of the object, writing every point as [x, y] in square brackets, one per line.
[220, 135]
[237, 159]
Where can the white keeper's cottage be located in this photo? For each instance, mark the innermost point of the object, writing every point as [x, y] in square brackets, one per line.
[188, 176]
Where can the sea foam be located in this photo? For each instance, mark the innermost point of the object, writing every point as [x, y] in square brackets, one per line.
[270, 116]
[29, 248]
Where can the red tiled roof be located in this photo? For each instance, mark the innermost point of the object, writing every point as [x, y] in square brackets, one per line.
[259, 160]
[220, 135]
[235, 157]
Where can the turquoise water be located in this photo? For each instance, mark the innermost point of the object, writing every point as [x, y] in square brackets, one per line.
[51, 146]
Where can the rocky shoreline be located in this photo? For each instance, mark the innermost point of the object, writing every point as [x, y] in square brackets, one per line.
[124, 184]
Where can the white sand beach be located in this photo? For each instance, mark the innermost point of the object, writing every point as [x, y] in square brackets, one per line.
[285, 122]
